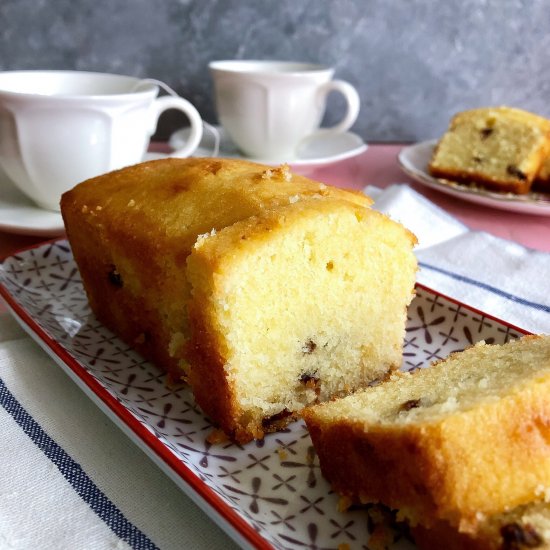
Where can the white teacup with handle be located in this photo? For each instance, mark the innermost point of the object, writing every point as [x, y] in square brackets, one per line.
[269, 108]
[58, 128]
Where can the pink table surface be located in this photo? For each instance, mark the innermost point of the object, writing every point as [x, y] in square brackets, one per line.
[378, 166]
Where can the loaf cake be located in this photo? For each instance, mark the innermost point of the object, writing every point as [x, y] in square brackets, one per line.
[527, 526]
[500, 148]
[465, 438]
[264, 290]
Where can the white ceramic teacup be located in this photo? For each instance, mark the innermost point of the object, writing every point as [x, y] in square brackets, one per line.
[269, 108]
[58, 128]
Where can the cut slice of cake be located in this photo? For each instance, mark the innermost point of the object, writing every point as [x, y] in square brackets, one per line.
[500, 148]
[263, 289]
[524, 527]
[467, 437]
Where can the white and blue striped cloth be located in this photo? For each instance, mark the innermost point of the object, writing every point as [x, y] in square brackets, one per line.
[499, 277]
[70, 479]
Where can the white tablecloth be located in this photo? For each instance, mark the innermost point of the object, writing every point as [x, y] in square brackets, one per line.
[70, 479]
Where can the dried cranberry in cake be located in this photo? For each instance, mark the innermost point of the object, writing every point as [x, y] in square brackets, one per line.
[114, 277]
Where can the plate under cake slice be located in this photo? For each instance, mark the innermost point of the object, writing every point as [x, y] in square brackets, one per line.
[499, 148]
[465, 438]
[266, 291]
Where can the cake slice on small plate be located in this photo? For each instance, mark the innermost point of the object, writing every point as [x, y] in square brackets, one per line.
[500, 148]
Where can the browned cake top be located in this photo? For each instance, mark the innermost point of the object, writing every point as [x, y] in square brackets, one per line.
[187, 197]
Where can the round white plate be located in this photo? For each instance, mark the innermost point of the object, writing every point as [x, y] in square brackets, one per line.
[323, 149]
[18, 214]
[414, 160]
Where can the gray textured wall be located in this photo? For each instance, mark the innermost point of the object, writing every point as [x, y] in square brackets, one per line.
[415, 62]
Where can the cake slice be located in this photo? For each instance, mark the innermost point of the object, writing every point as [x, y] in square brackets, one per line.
[465, 438]
[500, 148]
[524, 527]
[265, 290]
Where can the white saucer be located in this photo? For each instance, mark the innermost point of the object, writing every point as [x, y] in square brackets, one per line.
[323, 149]
[18, 214]
[414, 161]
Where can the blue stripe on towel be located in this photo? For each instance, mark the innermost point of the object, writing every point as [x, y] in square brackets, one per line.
[484, 286]
[75, 475]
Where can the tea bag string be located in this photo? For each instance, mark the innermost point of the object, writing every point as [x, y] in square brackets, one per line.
[170, 91]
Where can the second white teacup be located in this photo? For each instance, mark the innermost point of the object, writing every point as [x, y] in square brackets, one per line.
[269, 108]
[58, 128]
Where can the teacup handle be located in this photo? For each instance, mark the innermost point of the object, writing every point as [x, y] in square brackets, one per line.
[353, 103]
[162, 104]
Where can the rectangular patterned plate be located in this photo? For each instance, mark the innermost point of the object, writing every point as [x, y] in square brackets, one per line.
[267, 494]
